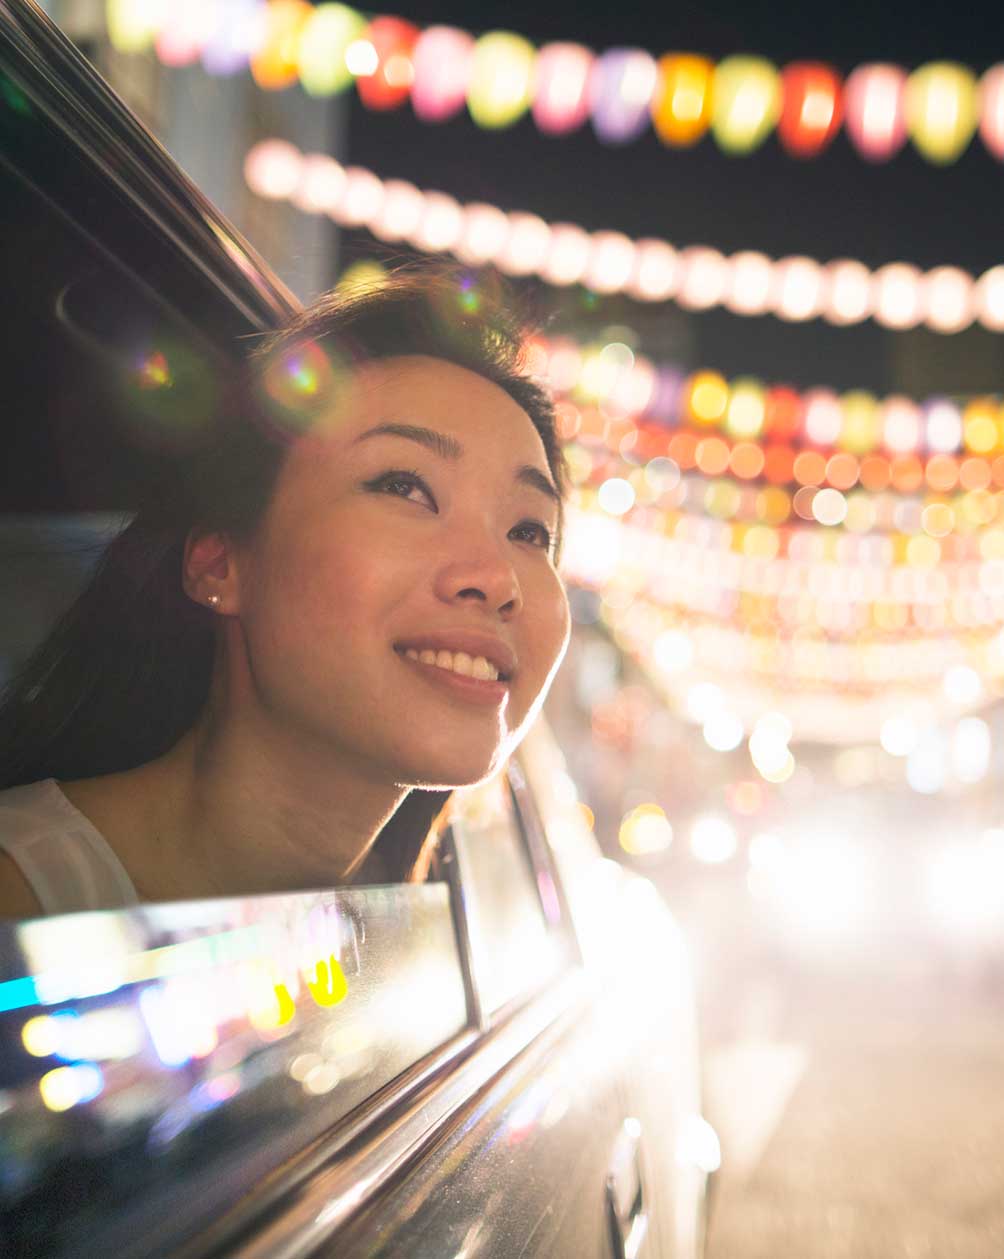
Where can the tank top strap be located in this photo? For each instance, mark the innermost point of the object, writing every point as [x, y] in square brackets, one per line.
[68, 865]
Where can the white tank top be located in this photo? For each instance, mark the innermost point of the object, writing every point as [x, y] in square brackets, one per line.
[66, 862]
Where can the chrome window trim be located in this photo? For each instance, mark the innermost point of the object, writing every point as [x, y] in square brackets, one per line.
[461, 926]
[335, 1194]
[542, 857]
[287, 1180]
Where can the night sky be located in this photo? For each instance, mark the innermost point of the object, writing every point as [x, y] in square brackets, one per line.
[836, 205]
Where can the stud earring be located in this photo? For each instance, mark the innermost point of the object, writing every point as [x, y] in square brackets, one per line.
[213, 601]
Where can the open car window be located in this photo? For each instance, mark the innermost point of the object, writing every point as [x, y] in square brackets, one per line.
[159, 1064]
[509, 908]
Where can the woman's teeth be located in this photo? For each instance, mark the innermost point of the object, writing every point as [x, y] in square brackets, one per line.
[456, 662]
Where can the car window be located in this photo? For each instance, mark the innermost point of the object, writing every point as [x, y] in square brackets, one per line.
[513, 949]
[157, 1064]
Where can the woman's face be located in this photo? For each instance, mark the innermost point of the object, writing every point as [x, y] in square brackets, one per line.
[399, 602]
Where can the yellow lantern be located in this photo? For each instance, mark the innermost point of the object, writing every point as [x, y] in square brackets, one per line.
[706, 397]
[745, 103]
[982, 427]
[501, 79]
[132, 24]
[274, 64]
[328, 33]
[681, 107]
[746, 408]
[942, 109]
[861, 429]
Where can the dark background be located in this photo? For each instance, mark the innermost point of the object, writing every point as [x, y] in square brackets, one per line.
[836, 205]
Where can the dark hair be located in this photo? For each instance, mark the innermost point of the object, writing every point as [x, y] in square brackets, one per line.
[126, 671]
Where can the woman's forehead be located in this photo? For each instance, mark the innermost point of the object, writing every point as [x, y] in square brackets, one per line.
[433, 392]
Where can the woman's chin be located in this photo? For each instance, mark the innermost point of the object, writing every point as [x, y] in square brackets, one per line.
[448, 773]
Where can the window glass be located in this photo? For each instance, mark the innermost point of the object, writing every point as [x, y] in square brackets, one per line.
[157, 1063]
[512, 950]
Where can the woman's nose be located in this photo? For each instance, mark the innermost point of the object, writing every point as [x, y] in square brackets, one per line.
[483, 574]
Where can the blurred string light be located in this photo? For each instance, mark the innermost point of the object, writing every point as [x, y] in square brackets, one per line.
[692, 562]
[856, 422]
[645, 830]
[713, 840]
[841, 685]
[845, 291]
[739, 101]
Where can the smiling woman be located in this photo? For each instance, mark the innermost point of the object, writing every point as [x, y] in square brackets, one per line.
[348, 604]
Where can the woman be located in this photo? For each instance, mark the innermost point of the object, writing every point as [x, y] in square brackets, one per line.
[353, 598]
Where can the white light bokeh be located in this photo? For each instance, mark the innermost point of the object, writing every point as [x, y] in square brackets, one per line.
[713, 840]
[723, 731]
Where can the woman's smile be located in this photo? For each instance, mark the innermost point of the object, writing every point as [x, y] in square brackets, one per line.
[458, 674]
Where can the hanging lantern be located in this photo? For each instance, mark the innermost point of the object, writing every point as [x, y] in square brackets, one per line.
[990, 299]
[274, 64]
[783, 413]
[328, 34]
[501, 79]
[237, 31]
[941, 110]
[656, 271]
[383, 56]
[942, 425]
[561, 88]
[746, 411]
[745, 103]
[681, 106]
[187, 27]
[442, 60]
[620, 94]
[848, 294]
[992, 111]
[897, 295]
[751, 279]
[797, 290]
[131, 26]
[901, 422]
[812, 108]
[948, 295]
[705, 398]
[874, 110]
[861, 429]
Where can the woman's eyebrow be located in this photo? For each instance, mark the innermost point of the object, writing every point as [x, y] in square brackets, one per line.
[528, 475]
[449, 448]
[439, 443]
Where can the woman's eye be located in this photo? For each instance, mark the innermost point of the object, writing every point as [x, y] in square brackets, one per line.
[534, 532]
[407, 485]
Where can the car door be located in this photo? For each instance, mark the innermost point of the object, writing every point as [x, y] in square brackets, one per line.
[521, 1166]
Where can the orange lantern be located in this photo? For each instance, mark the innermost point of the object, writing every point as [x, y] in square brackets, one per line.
[681, 106]
[812, 108]
[784, 413]
[276, 63]
[391, 70]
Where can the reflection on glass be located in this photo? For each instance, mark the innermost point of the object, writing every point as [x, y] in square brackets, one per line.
[511, 949]
[155, 1063]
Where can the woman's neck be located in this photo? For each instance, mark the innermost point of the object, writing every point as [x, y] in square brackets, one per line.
[235, 810]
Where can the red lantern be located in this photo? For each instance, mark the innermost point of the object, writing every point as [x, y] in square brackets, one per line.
[784, 413]
[388, 83]
[812, 108]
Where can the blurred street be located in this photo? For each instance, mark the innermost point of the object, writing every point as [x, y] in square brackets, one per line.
[860, 1115]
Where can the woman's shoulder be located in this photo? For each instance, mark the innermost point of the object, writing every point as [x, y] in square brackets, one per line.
[52, 858]
[29, 809]
[27, 814]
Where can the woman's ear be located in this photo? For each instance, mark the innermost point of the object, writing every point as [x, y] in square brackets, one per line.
[210, 571]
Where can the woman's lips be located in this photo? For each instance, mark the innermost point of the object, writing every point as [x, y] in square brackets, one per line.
[486, 691]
